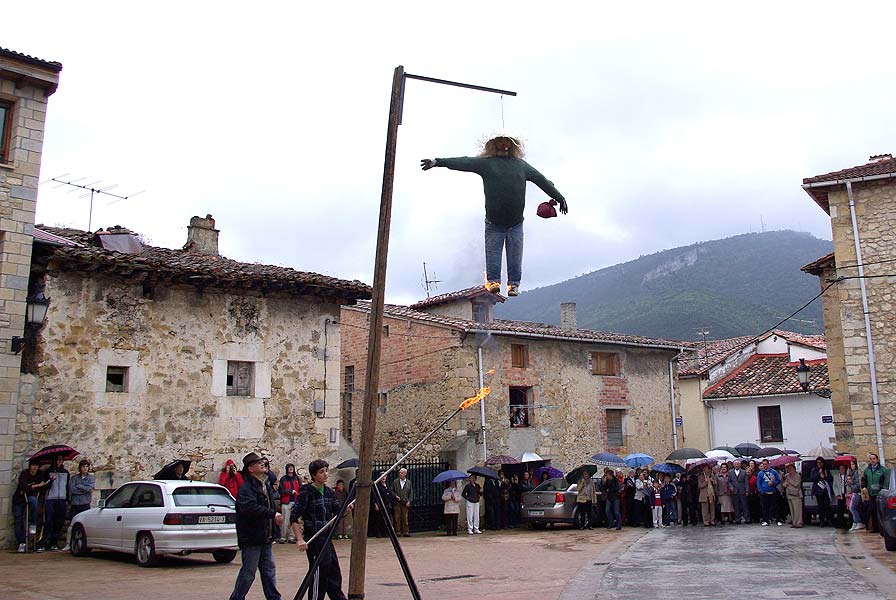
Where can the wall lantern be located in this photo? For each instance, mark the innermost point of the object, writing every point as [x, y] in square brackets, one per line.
[803, 372]
[35, 314]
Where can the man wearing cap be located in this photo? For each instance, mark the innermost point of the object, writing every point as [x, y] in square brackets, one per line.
[504, 175]
[255, 514]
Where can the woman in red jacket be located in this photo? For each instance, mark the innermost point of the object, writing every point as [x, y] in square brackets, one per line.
[231, 478]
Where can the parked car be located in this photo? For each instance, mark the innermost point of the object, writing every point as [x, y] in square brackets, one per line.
[886, 513]
[151, 518]
[553, 501]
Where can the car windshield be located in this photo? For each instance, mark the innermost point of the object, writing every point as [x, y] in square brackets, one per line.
[201, 496]
[553, 485]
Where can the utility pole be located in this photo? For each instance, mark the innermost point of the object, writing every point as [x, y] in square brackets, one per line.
[358, 562]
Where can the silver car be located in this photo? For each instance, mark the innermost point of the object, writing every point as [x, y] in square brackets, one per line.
[150, 518]
[553, 501]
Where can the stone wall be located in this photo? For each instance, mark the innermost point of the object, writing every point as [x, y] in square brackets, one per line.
[175, 346]
[877, 232]
[429, 369]
[18, 196]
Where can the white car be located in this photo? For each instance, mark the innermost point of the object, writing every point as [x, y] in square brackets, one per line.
[150, 518]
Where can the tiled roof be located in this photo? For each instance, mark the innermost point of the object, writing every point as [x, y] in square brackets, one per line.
[56, 66]
[468, 294]
[813, 341]
[182, 266]
[526, 329]
[818, 265]
[705, 356]
[880, 167]
[768, 375]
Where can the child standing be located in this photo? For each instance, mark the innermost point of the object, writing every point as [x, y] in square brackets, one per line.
[669, 493]
[657, 504]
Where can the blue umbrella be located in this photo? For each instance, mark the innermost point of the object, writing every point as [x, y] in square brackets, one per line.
[608, 459]
[638, 459]
[449, 475]
[670, 468]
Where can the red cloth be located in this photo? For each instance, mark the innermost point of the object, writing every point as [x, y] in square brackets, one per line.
[657, 498]
[231, 481]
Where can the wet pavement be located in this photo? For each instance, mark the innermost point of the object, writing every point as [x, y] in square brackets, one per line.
[741, 562]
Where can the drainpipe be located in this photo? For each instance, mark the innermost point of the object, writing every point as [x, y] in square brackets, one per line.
[712, 419]
[482, 409]
[672, 401]
[865, 313]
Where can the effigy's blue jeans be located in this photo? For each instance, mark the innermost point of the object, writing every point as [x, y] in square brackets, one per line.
[496, 239]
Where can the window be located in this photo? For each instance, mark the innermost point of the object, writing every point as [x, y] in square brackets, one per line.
[381, 400]
[480, 312]
[519, 407]
[519, 355]
[604, 363]
[5, 130]
[770, 429]
[239, 378]
[385, 331]
[148, 496]
[201, 496]
[121, 498]
[348, 391]
[615, 431]
[116, 379]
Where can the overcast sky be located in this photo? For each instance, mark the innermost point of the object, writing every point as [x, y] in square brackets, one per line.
[663, 125]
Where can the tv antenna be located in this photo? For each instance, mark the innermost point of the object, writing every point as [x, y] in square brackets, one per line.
[429, 284]
[91, 189]
[703, 331]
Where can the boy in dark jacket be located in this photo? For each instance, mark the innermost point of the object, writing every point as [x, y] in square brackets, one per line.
[255, 515]
[315, 506]
[670, 509]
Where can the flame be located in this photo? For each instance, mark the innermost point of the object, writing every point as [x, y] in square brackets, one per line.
[483, 392]
[490, 372]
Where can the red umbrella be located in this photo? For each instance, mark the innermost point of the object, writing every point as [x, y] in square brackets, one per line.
[702, 461]
[48, 453]
[783, 460]
[501, 459]
[845, 459]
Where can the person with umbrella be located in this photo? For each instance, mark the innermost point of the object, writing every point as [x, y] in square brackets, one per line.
[55, 504]
[471, 493]
[24, 500]
[451, 500]
[586, 497]
[793, 491]
[822, 482]
[854, 497]
[610, 485]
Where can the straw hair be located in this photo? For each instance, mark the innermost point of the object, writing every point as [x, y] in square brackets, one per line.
[489, 146]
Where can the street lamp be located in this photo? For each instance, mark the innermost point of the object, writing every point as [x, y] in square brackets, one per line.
[803, 371]
[35, 313]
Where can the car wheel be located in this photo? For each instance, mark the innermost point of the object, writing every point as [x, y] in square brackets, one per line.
[146, 550]
[79, 541]
[889, 540]
[537, 525]
[224, 556]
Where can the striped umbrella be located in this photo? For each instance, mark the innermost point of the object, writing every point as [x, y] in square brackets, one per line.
[501, 459]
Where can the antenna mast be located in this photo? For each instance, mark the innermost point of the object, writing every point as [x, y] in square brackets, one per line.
[427, 282]
[91, 190]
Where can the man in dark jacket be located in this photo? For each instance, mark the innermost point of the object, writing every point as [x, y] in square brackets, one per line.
[315, 506]
[255, 515]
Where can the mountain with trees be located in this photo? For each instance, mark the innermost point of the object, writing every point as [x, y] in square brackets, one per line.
[735, 286]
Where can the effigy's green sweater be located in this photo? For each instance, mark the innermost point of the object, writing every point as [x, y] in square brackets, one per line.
[504, 181]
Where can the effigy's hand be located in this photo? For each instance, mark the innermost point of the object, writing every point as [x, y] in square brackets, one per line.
[303, 546]
[563, 208]
[427, 163]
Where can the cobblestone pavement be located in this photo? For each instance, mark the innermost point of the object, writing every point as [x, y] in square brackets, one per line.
[564, 564]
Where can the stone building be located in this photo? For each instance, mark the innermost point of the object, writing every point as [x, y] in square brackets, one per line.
[559, 391]
[150, 354]
[26, 83]
[859, 303]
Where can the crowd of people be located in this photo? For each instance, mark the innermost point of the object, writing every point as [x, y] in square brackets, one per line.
[727, 493]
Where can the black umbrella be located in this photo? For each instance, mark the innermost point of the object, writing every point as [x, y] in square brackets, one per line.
[484, 471]
[768, 451]
[351, 463]
[732, 451]
[167, 472]
[576, 474]
[685, 453]
[49, 453]
[747, 449]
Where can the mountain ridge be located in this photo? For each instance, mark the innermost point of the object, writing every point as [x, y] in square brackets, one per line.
[740, 285]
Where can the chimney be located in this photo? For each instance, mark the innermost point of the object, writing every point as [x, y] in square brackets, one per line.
[879, 157]
[568, 316]
[202, 237]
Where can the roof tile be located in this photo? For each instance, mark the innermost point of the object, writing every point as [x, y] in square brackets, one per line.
[768, 375]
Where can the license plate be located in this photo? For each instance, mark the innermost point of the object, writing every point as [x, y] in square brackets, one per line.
[212, 519]
[536, 513]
